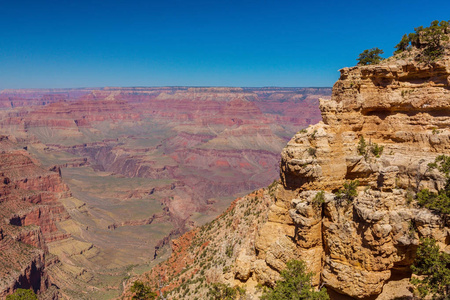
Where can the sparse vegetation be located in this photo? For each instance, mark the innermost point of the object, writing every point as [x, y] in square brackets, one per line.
[412, 229]
[229, 250]
[439, 201]
[365, 149]
[435, 131]
[442, 163]
[376, 149]
[272, 187]
[296, 285]
[433, 267]
[428, 39]
[22, 294]
[319, 199]
[362, 146]
[220, 291]
[142, 291]
[312, 151]
[370, 57]
[348, 192]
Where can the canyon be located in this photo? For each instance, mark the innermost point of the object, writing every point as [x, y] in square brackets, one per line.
[96, 182]
[347, 199]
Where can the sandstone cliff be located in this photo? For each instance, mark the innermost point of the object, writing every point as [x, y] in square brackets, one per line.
[384, 124]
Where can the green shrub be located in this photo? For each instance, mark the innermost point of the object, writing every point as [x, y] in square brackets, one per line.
[229, 250]
[349, 191]
[439, 201]
[220, 291]
[376, 149]
[319, 199]
[370, 57]
[142, 291]
[433, 267]
[373, 148]
[362, 146]
[22, 294]
[403, 44]
[296, 285]
[428, 39]
[312, 151]
[442, 163]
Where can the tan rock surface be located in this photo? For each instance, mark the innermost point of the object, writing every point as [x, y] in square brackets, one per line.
[403, 106]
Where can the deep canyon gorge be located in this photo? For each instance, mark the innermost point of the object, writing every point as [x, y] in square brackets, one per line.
[96, 182]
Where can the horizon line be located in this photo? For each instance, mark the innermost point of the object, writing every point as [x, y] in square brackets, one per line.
[164, 86]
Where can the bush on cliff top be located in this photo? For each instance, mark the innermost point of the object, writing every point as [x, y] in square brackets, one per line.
[370, 57]
[296, 285]
[428, 39]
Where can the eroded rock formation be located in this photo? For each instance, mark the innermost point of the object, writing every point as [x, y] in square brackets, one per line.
[382, 127]
[355, 246]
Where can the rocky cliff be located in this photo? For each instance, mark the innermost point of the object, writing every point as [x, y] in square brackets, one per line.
[356, 248]
[345, 203]
[29, 212]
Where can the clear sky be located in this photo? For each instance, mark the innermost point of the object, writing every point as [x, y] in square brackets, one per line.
[81, 43]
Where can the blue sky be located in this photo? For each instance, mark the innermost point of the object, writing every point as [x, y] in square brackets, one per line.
[80, 43]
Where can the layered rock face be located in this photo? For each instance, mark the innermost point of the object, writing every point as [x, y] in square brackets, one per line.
[355, 247]
[29, 212]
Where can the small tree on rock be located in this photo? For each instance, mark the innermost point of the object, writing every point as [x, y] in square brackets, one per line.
[296, 285]
[370, 57]
[433, 267]
[403, 45]
[142, 292]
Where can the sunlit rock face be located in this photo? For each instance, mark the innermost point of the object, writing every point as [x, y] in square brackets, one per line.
[403, 106]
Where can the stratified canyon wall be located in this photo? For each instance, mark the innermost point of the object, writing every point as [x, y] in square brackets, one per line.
[360, 246]
[29, 213]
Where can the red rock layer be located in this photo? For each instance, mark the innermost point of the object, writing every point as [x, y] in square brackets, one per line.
[29, 211]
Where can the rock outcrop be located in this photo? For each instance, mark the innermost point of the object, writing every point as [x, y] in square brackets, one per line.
[354, 247]
[382, 127]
